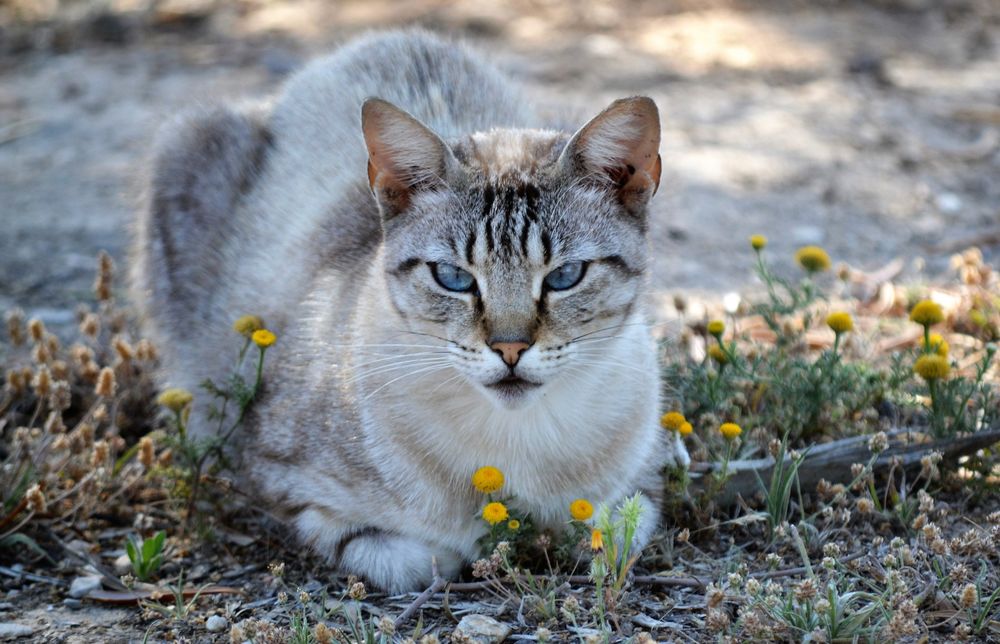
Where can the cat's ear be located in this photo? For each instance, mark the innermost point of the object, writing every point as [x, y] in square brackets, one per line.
[619, 148]
[404, 156]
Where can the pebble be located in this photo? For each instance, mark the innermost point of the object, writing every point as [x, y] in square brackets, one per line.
[71, 603]
[216, 623]
[482, 629]
[122, 565]
[81, 586]
[10, 630]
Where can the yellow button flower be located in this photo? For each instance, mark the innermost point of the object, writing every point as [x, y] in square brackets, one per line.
[716, 327]
[813, 258]
[175, 399]
[932, 367]
[672, 420]
[596, 540]
[581, 509]
[495, 512]
[840, 322]
[718, 354]
[927, 313]
[263, 338]
[730, 430]
[685, 429]
[513, 524]
[487, 479]
[247, 324]
[758, 242]
[938, 345]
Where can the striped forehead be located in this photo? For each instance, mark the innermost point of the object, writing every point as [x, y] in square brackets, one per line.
[508, 226]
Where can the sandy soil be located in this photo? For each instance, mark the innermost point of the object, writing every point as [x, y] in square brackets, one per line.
[872, 130]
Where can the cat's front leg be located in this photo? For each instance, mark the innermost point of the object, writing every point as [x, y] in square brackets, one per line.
[394, 562]
[676, 452]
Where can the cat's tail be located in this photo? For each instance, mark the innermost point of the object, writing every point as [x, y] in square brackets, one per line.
[204, 164]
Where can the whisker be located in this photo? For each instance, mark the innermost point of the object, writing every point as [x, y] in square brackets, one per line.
[410, 373]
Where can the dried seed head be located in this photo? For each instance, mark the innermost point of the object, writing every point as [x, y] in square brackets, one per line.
[805, 590]
[145, 351]
[322, 634]
[61, 443]
[714, 596]
[54, 423]
[146, 452]
[36, 329]
[15, 326]
[969, 597]
[90, 326]
[683, 536]
[60, 398]
[773, 560]
[100, 454]
[36, 499]
[865, 505]
[100, 414]
[90, 372]
[386, 626]
[82, 354]
[42, 382]
[105, 275]
[878, 443]
[15, 382]
[59, 369]
[357, 591]
[123, 348]
[86, 432]
[543, 634]
[716, 620]
[106, 384]
[41, 353]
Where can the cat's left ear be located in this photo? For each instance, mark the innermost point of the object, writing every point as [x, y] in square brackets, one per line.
[620, 148]
[404, 156]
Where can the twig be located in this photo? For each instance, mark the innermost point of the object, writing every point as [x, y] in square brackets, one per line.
[20, 574]
[800, 570]
[436, 586]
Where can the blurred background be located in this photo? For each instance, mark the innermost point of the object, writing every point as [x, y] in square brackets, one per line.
[870, 128]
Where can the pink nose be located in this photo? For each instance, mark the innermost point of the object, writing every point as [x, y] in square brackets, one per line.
[510, 351]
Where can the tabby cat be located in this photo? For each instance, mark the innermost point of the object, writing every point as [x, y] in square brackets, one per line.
[452, 285]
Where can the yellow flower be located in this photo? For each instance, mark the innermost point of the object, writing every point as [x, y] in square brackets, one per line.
[840, 322]
[494, 513]
[938, 345]
[596, 540]
[581, 509]
[730, 430]
[927, 313]
[175, 399]
[513, 524]
[487, 479]
[716, 327]
[672, 420]
[718, 354]
[932, 367]
[758, 242]
[685, 429]
[247, 324]
[813, 258]
[263, 338]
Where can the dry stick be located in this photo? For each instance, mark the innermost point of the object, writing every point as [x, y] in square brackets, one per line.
[436, 586]
[696, 583]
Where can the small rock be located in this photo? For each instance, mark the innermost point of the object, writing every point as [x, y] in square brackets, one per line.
[6, 606]
[122, 565]
[81, 586]
[74, 604]
[10, 630]
[949, 203]
[216, 623]
[483, 629]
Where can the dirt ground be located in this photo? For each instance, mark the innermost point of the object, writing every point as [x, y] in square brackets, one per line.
[869, 128]
[872, 129]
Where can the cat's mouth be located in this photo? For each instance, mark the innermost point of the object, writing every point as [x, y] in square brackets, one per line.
[512, 386]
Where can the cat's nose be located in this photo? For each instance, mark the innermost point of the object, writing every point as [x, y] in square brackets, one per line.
[510, 351]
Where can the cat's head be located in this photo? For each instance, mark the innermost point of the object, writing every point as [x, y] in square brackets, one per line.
[522, 252]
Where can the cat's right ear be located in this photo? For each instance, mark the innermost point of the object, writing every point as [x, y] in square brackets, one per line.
[404, 156]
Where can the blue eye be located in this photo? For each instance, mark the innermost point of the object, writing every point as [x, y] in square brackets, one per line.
[566, 276]
[452, 277]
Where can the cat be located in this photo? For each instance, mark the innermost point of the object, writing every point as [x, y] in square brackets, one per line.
[452, 284]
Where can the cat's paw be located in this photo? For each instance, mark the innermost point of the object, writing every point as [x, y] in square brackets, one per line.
[396, 563]
[676, 452]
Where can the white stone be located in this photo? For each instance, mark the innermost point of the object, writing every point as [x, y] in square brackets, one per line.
[81, 586]
[216, 623]
[10, 630]
[483, 629]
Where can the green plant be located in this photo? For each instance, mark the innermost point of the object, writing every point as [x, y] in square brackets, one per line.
[146, 555]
